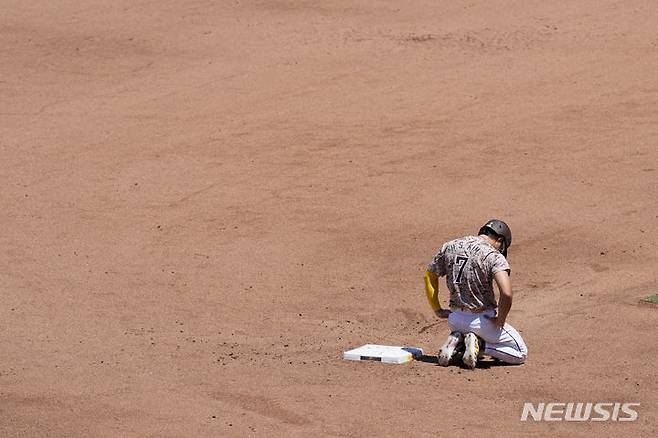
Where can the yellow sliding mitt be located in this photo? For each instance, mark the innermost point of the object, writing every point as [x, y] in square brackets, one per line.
[432, 290]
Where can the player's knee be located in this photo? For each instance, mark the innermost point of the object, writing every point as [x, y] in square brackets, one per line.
[516, 360]
[520, 356]
[524, 351]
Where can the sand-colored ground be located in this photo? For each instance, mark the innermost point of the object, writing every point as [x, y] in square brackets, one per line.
[205, 202]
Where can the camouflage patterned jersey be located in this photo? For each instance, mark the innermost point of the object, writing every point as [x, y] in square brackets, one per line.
[470, 264]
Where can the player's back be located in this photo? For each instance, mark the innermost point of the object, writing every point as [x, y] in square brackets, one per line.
[469, 264]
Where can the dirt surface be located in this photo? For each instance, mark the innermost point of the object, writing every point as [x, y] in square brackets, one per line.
[205, 203]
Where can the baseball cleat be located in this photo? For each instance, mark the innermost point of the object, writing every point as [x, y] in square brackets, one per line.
[448, 349]
[471, 350]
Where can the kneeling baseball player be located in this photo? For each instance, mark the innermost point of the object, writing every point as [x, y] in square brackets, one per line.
[470, 265]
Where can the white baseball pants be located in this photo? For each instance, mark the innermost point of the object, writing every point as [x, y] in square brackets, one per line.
[504, 343]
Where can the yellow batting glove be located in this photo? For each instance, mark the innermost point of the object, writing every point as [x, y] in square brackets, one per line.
[432, 290]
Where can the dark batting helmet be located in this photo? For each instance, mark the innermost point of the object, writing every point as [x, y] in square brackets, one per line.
[501, 229]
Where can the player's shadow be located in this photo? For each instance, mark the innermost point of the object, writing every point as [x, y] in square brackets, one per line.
[485, 363]
[492, 363]
[427, 359]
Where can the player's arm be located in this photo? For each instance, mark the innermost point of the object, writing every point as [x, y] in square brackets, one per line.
[505, 303]
[432, 292]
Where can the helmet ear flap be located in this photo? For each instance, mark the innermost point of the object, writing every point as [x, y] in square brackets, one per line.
[500, 229]
[503, 248]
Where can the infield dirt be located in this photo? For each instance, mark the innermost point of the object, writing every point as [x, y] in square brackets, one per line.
[205, 203]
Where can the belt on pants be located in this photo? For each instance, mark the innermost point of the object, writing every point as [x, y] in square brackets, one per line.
[468, 309]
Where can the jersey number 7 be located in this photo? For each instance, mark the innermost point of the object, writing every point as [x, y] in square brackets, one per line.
[460, 262]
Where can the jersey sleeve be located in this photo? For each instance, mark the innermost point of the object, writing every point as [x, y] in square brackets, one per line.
[438, 263]
[498, 263]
